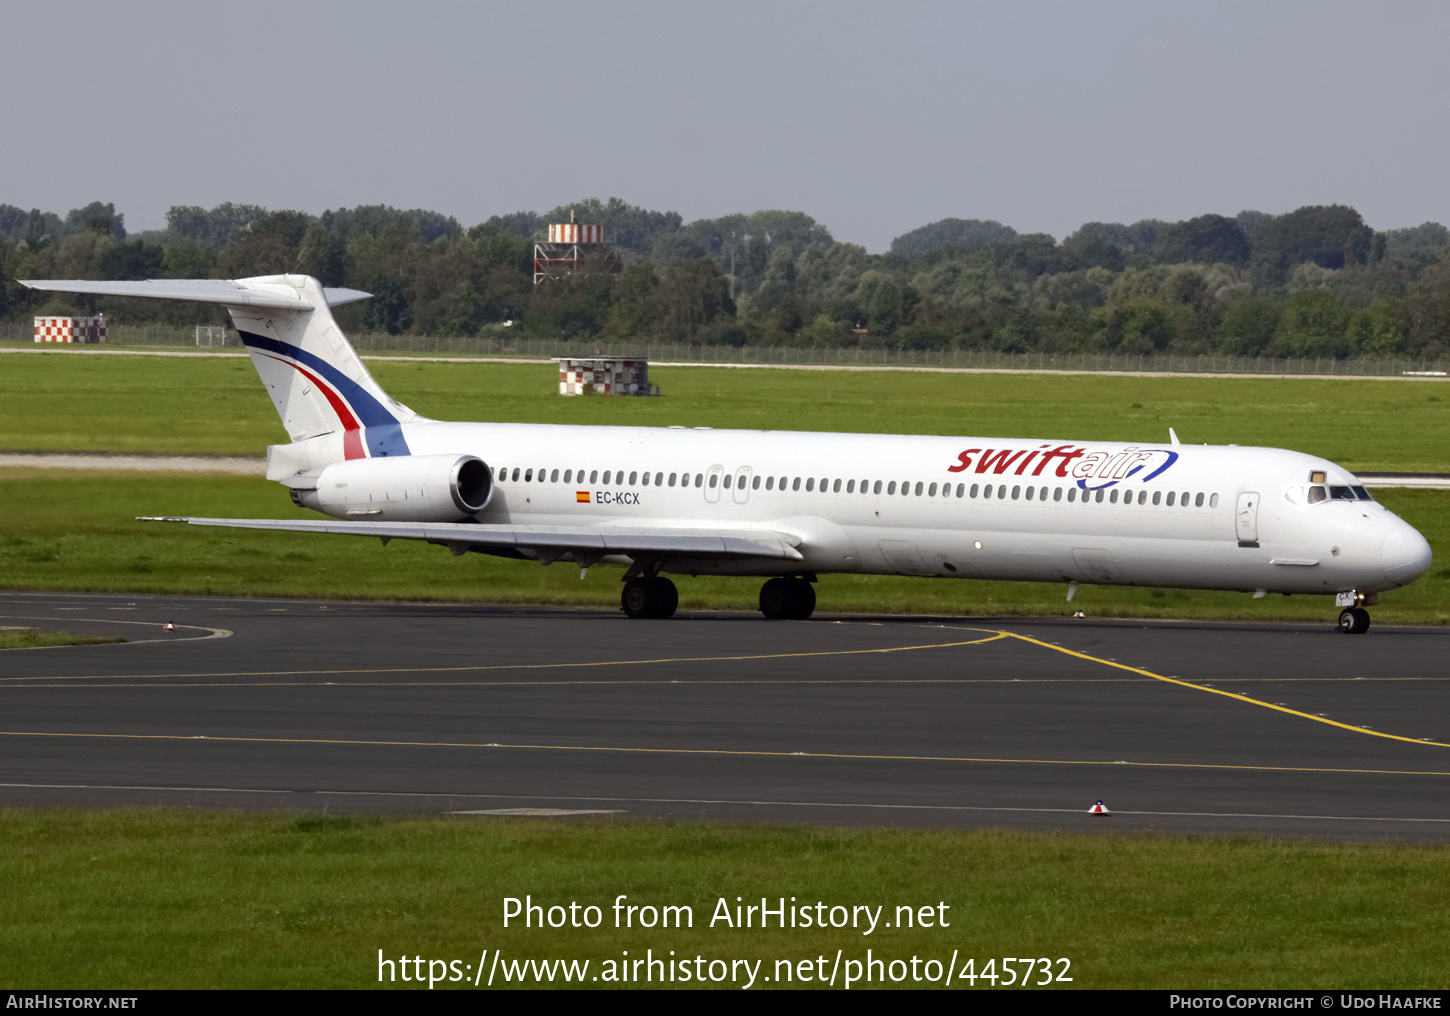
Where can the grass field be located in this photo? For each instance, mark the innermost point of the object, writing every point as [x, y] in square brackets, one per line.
[183, 898]
[26, 638]
[190, 406]
[76, 530]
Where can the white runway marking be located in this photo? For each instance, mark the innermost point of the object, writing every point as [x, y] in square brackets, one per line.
[212, 633]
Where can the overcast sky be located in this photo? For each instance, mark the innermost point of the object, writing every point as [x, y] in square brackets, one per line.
[875, 118]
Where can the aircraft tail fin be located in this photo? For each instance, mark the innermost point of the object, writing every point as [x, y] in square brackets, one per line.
[315, 378]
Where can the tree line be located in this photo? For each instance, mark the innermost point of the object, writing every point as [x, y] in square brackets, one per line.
[1317, 281]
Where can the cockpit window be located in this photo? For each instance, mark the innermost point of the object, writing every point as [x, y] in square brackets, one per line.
[1361, 493]
[1317, 494]
[1341, 494]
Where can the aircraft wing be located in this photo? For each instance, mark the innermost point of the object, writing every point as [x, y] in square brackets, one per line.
[587, 542]
[223, 291]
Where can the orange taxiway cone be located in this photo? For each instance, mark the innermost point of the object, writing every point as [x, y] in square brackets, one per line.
[1099, 809]
[169, 627]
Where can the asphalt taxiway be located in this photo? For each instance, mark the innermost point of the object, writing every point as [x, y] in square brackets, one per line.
[1286, 729]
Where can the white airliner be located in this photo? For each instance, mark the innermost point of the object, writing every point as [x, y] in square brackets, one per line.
[789, 505]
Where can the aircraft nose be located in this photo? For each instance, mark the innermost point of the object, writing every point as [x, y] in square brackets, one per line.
[1406, 555]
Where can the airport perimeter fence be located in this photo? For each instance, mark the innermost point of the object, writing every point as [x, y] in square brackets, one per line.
[521, 347]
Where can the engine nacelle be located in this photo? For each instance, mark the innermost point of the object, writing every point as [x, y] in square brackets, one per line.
[408, 488]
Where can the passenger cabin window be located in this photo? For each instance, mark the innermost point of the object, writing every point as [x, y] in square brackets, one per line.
[699, 479]
[672, 479]
[633, 477]
[795, 484]
[770, 483]
[713, 479]
[755, 483]
[726, 478]
[659, 479]
[876, 487]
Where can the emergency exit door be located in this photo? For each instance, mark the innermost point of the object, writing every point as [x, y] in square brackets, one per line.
[1246, 519]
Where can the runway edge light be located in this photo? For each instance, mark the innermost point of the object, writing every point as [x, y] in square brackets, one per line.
[1099, 809]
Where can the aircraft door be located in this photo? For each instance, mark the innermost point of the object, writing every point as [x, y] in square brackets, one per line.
[1246, 519]
[713, 483]
[741, 491]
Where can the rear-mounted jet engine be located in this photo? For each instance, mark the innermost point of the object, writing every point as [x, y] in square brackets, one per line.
[409, 488]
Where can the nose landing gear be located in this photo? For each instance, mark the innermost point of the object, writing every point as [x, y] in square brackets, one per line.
[1353, 621]
[787, 599]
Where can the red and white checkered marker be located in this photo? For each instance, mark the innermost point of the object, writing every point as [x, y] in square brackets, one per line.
[169, 627]
[1099, 809]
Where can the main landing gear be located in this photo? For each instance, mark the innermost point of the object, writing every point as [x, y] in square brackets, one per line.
[787, 599]
[1353, 621]
[651, 597]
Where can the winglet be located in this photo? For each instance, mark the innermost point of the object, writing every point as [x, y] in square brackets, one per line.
[1173, 435]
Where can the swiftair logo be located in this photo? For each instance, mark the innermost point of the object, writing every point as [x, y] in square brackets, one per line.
[1091, 470]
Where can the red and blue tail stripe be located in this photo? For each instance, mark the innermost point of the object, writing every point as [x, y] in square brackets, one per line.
[369, 428]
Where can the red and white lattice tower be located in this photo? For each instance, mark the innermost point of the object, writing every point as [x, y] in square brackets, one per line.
[570, 247]
[70, 329]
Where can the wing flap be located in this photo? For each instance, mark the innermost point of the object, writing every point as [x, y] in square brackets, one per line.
[594, 540]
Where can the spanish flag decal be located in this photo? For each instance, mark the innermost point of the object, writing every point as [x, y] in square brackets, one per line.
[581, 496]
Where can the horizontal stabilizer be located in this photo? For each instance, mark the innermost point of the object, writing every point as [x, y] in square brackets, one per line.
[593, 540]
[238, 293]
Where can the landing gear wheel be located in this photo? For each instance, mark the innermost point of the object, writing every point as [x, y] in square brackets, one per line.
[804, 603]
[649, 598]
[775, 599]
[783, 599]
[1354, 620]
